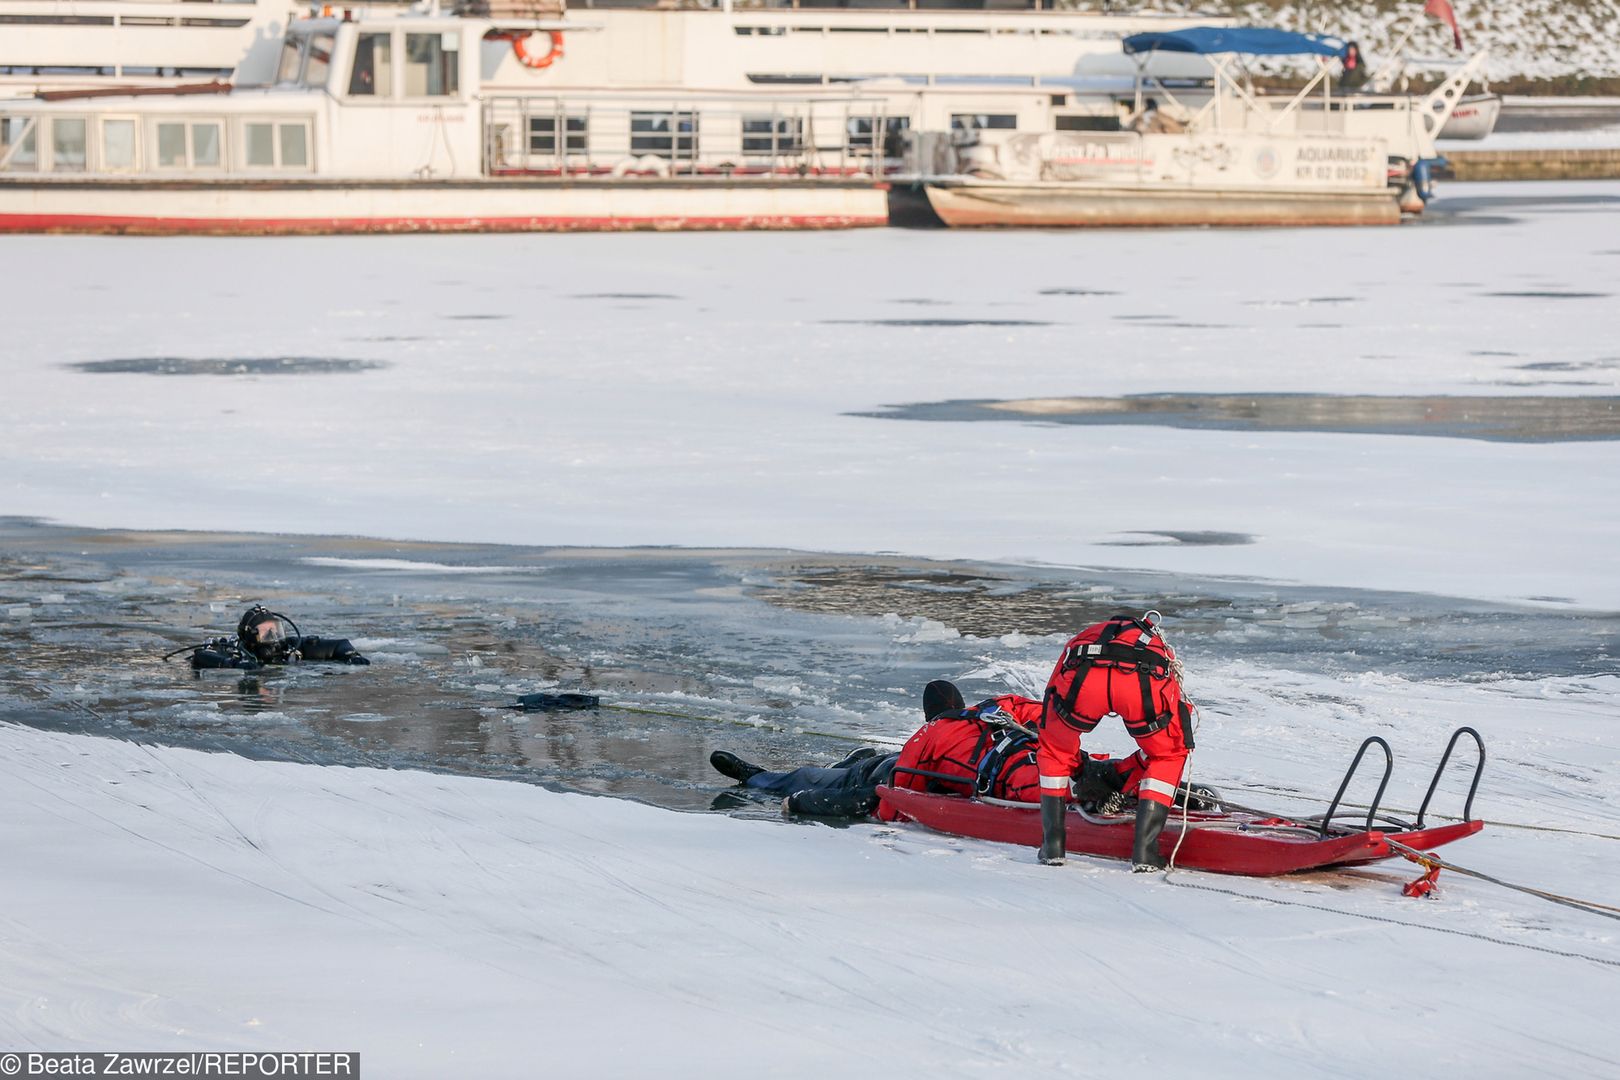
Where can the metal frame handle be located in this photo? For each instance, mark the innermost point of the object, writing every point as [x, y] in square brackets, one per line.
[1479, 769]
[1355, 763]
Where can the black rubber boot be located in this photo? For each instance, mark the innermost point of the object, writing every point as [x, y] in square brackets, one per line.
[1150, 819]
[733, 766]
[1054, 840]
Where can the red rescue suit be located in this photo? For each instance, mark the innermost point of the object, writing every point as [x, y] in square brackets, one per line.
[958, 744]
[1121, 668]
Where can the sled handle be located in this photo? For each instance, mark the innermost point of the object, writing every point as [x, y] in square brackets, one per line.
[1355, 763]
[1479, 769]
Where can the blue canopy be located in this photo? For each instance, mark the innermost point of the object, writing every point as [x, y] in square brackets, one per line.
[1255, 42]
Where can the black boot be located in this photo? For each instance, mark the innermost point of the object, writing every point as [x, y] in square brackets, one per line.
[733, 766]
[855, 755]
[1150, 819]
[1054, 839]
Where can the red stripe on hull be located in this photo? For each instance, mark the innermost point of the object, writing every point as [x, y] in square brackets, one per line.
[158, 226]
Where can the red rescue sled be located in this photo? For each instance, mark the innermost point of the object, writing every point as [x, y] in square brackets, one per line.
[1233, 840]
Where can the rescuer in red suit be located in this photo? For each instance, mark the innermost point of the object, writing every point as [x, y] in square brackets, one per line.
[1119, 668]
[987, 749]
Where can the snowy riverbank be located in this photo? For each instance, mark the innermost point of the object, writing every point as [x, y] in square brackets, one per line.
[163, 898]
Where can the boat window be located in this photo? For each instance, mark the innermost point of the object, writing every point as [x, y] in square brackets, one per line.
[171, 146]
[294, 146]
[772, 135]
[118, 144]
[67, 144]
[1087, 123]
[19, 143]
[664, 134]
[205, 146]
[432, 64]
[543, 134]
[292, 51]
[860, 134]
[984, 121]
[320, 60]
[373, 72]
[279, 145]
[259, 143]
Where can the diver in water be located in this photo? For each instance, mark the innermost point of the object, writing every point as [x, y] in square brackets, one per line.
[264, 638]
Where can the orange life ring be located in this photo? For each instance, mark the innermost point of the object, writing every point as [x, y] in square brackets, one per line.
[552, 55]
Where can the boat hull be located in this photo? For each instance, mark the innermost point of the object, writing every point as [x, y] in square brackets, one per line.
[314, 207]
[1474, 117]
[1222, 843]
[1057, 205]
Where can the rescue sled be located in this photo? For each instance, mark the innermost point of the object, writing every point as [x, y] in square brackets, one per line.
[1232, 840]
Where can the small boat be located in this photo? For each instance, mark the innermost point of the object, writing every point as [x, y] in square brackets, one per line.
[1231, 840]
[1473, 118]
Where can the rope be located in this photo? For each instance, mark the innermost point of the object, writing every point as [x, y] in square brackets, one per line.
[1430, 859]
[1393, 922]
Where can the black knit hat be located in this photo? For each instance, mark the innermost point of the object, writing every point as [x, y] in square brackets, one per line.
[941, 696]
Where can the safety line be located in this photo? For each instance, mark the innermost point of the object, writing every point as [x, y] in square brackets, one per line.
[1430, 859]
[1394, 922]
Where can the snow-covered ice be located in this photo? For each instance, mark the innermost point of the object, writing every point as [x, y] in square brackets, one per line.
[536, 395]
[702, 391]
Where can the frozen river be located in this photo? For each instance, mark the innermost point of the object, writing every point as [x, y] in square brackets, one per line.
[754, 490]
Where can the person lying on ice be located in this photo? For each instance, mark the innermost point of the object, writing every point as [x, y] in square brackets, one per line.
[261, 639]
[989, 749]
[1119, 668]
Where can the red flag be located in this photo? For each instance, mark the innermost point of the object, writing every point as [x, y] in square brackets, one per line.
[1441, 9]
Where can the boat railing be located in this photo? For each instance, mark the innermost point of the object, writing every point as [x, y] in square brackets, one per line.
[586, 136]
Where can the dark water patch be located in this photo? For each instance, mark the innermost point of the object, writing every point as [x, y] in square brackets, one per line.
[259, 365]
[1550, 599]
[689, 651]
[625, 296]
[1494, 352]
[1078, 292]
[1497, 419]
[477, 318]
[1549, 294]
[1321, 326]
[1544, 382]
[1605, 364]
[919, 301]
[935, 322]
[1138, 318]
[1160, 538]
[1307, 302]
[1190, 326]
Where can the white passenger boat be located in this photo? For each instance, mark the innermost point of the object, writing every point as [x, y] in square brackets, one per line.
[1474, 117]
[1225, 155]
[582, 120]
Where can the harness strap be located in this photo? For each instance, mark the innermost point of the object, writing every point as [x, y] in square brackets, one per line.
[1010, 742]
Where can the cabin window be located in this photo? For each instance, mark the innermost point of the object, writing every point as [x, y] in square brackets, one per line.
[862, 132]
[294, 145]
[171, 144]
[195, 144]
[432, 64]
[205, 146]
[292, 51]
[68, 144]
[1087, 123]
[664, 134]
[373, 72]
[118, 144]
[283, 145]
[19, 143]
[984, 121]
[543, 134]
[772, 135]
[319, 62]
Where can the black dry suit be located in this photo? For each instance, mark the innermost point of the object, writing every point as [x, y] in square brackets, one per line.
[260, 640]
